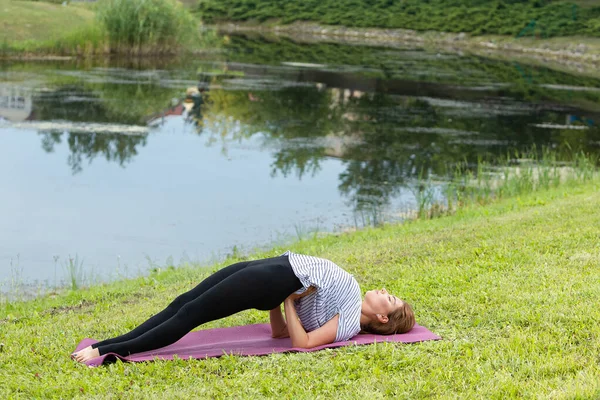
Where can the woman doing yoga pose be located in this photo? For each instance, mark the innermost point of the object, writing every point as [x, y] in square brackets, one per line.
[322, 304]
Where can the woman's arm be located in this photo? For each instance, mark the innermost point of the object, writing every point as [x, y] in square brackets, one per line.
[323, 335]
[278, 325]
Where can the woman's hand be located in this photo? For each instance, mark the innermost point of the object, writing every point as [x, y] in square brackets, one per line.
[278, 324]
[279, 327]
[309, 290]
[300, 338]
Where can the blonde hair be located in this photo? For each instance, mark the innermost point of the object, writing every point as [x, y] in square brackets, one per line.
[401, 320]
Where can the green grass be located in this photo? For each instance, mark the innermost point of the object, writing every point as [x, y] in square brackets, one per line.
[512, 288]
[148, 27]
[87, 40]
[40, 21]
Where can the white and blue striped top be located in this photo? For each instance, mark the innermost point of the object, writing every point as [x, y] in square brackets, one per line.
[337, 292]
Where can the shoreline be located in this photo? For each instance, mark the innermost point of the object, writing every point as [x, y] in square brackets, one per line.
[571, 54]
[433, 212]
[584, 55]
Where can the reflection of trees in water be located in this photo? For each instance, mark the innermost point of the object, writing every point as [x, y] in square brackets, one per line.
[415, 140]
[117, 148]
[522, 80]
[69, 103]
[104, 103]
[301, 161]
[379, 165]
[385, 141]
[396, 141]
[369, 185]
[292, 114]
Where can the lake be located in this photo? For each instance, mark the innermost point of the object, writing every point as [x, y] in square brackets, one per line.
[117, 167]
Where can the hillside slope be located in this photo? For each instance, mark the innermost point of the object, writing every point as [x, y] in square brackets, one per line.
[541, 18]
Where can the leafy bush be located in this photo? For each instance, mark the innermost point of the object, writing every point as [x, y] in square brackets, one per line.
[508, 17]
[146, 26]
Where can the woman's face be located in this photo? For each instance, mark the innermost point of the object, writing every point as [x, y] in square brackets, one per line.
[379, 301]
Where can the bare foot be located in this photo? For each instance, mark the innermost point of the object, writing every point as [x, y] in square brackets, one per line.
[86, 354]
[73, 355]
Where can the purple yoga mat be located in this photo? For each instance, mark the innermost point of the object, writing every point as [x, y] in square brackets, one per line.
[248, 340]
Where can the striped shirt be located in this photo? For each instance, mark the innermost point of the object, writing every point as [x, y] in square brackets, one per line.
[337, 293]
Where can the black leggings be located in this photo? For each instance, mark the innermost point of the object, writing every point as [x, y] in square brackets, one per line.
[261, 284]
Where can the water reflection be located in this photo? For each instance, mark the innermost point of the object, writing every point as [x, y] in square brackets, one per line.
[386, 140]
[388, 119]
[384, 125]
[15, 103]
[84, 147]
[375, 122]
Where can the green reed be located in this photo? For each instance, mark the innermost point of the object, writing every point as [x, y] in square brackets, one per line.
[424, 196]
[146, 26]
[520, 173]
[75, 271]
[533, 170]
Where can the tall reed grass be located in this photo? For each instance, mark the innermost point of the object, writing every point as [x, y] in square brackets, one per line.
[519, 173]
[75, 271]
[146, 26]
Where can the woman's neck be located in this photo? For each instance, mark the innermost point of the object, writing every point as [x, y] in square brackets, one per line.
[364, 319]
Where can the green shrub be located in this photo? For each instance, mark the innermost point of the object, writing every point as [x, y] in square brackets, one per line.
[506, 17]
[146, 26]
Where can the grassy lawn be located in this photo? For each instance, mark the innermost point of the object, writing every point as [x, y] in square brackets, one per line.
[37, 20]
[512, 288]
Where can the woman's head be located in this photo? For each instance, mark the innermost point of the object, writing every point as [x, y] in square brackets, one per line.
[385, 314]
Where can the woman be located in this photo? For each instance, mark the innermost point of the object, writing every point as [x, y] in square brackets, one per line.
[322, 305]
